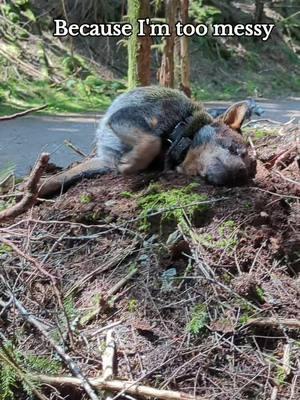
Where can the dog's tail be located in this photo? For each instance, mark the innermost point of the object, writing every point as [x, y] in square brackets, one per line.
[62, 181]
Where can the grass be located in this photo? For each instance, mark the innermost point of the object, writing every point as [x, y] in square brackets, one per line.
[71, 96]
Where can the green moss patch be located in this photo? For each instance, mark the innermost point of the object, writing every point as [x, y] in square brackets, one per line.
[170, 207]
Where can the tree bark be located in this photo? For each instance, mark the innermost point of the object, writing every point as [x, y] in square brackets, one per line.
[166, 76]
[259, 11]
[133, 14]
[175, 67]
[185, 54]
[144, 48]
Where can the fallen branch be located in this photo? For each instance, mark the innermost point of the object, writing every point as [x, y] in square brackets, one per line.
[275, 322]
[22, 113]
[83, 381]
[117, 386]
[31, 190]
[108, 356]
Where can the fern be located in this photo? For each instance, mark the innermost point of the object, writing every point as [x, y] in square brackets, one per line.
[8, 381]
[14, 369]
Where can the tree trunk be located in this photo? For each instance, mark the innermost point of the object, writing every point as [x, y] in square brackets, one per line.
[177, 46]
[166, 76]
[133, 15]
[185, 54]
[259, 11]
[144, 47]
[175, 67]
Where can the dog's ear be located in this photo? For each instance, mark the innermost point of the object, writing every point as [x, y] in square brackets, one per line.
[236, 115]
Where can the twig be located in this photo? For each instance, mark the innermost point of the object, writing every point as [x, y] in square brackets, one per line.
[287, 179]
[72, 146]
[255, 121]
[252, 146]
[116, 386]
[31, 190]
[22, 113]
[83, 381]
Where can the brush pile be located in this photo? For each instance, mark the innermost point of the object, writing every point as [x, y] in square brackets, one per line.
[157, 287]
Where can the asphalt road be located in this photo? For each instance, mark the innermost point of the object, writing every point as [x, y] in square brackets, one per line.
[23, 139]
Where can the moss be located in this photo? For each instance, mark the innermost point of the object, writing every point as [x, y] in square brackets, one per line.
[224, 238]
[173, 206]
[132, 305]
[86, 198]
[5, 249]
[261, 133]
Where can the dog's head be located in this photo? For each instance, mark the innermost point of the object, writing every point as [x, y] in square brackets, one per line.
[219, 152]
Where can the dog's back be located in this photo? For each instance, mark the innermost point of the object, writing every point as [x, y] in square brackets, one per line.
[154, 108]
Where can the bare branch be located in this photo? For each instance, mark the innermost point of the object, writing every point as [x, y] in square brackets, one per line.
[22, 113]
[31, 190]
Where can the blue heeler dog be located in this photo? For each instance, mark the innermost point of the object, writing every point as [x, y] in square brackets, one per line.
[139, 126]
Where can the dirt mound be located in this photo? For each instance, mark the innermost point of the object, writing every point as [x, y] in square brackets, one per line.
[200, 285]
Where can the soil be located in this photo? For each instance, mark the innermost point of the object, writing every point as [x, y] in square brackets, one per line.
[182, 320]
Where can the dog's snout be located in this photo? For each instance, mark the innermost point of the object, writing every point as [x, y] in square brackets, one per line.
[222, 174]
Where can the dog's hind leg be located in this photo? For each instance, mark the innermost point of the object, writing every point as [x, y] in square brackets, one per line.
[138, 135]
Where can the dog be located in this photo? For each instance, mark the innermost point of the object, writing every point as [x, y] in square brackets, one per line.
[139, 126]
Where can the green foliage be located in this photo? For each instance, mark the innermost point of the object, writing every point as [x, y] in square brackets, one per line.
[127, 195]
[70, 307]
[86, 198]
[246, 311]
[198, 320]
[15, 367]
[260, 293]
[224, 238]
[71, 64]
[132, 305]
[5, 249]
[175, 204]
[281, 375]
[8, 381]
[74, 95]
[203, 14]
[42, 364]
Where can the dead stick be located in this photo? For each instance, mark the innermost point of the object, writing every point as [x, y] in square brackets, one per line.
[117, 386]
[22, 113]
[31, 190]
[84, 382]
[74, 148]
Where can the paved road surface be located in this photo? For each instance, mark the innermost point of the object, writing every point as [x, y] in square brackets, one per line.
[22, 139]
